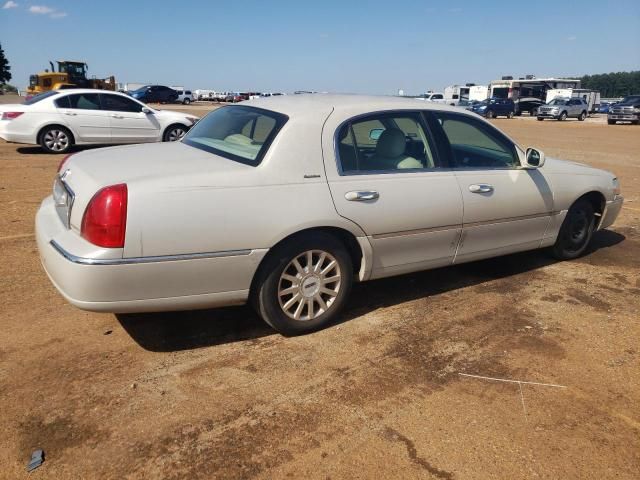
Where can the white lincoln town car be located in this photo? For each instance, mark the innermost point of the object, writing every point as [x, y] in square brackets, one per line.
[286, 201]
[59, 119]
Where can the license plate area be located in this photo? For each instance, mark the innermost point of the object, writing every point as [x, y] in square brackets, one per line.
[63, 197]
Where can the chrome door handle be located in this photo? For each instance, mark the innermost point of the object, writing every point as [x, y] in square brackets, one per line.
[362, 196]
[481, 188]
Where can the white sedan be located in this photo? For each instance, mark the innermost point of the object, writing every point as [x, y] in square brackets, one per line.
[59, 119]
[286, 201]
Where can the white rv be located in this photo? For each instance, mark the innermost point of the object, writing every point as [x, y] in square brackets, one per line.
[529, 87]
[478, 93]
[453, 94]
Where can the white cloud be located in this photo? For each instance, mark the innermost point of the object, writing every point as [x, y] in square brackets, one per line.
[41, 9]
[44, 10]
[10, 4]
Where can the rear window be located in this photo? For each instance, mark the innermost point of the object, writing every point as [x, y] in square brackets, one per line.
[40, 96]
[237, 132]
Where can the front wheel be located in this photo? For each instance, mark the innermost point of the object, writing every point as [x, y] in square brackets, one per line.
[562, 117]
[304, 284]
[611, 122]
[576, 231]
[56, 139]
[489, 114]
[540, 119]
[174, 133]
[510, 115]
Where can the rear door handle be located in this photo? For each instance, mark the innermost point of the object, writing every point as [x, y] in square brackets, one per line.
[481, 188]
[116, 116]
[70, 113]
[362, 196]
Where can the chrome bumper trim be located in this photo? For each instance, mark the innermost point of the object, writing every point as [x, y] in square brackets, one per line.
[137, 260]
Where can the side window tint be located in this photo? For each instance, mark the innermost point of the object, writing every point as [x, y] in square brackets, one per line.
[116, 103]
[63, 102]
[385, 142]
[84, 101]
[476, 145]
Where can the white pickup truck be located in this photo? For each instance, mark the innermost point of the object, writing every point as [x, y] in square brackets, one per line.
[435, 97]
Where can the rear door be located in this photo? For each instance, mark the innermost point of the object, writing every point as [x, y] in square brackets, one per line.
[384, 175]
[84, 114]
[129, 124]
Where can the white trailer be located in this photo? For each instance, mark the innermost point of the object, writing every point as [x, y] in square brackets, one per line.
[453, 94]
[478, 93]
[204, 95]
[529, 87]
[592, 97]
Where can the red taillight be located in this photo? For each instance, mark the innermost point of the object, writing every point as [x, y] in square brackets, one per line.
[64, 160]
[105, 220]
[10, 115]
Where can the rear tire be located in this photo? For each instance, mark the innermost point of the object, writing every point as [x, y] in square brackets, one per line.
[576, 231]
[297, 296]
[56, 139]
[611, 122]
[186, 101]
[174, 132]
[510, 115]
[582, 116]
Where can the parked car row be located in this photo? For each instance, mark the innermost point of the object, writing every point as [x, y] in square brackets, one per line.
[230, 97]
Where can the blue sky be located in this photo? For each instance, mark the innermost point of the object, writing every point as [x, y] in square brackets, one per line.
[341, 46]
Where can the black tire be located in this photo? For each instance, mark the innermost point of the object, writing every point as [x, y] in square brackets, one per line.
[174, 132]
[576, 231]
[582, 116]
[489, 114]
[562, 117]
[611, 122]
[510, 115]
[270, 300]
[533, 112]
[540, 119]
[186, 101]
[56, 139]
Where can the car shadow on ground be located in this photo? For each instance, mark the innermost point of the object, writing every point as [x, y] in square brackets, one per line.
[36, 150]
[175, 331]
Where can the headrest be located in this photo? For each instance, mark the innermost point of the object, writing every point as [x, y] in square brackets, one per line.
[391, 143]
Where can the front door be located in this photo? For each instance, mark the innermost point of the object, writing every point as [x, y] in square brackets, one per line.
[506, 207]
[384, 174]
[84, 114]
[129, 124]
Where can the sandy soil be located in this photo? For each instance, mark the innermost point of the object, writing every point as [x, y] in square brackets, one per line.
[217, 394]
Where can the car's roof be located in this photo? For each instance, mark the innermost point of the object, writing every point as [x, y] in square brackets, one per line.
[88, 90]
[294, 105]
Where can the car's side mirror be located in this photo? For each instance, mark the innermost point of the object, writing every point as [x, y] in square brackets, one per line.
[146, 110]
[534, 158]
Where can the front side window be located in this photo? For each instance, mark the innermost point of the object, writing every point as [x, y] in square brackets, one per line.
[475, 144]
[116, 103]
[237, 132]
[384, 142]
[84, 101]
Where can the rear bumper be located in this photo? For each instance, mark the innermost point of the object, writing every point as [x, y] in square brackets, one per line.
[147, 284]
[611, 211]
[14, 137]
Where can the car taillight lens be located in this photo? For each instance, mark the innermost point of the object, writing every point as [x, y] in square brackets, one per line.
[105, 219]
[64, 160]
[10, 115]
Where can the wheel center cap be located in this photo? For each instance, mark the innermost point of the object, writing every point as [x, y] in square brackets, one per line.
[310, 286]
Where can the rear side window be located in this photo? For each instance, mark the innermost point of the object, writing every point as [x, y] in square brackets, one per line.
[384, 142]
[84, 101]
[187, 92]
[237, 132]
[39, 97]
[116, 103]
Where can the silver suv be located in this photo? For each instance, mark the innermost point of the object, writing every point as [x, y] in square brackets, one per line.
[562, 108]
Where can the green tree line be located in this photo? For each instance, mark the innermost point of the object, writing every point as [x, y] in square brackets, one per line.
[612, 85]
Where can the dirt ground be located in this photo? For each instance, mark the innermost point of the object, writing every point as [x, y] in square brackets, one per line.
[218, 394]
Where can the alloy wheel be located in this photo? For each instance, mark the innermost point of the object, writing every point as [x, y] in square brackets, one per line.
[176, 134]
[56, 140]
[309, 285]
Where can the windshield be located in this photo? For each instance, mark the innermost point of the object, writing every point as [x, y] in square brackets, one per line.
[237, 132]
[558, 101]
[40, 96]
